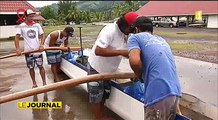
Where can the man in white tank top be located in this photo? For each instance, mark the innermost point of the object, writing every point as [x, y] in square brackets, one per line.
[56, 39]
[30, 32]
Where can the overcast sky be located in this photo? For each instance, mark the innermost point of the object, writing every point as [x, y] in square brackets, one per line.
[41, 3]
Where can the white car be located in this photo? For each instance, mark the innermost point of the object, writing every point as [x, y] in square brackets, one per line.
[165, 23]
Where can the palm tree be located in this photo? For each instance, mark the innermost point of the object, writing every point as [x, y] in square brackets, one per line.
[64, 10]
[117, 11]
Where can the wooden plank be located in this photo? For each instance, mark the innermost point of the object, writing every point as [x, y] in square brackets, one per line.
[34, 51]
[65, 84]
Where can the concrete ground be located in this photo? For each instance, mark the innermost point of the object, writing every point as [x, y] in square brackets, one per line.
[14, 77]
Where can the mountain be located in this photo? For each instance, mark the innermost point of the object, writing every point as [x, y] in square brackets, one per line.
[98, 6]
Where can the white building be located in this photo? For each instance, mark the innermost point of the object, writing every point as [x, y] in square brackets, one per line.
[8, 16]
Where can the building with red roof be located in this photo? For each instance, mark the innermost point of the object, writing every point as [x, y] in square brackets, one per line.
[182, 9]
[11, 7]
[8, 16]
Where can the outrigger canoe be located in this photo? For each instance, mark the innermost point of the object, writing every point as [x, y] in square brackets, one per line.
[120, 102]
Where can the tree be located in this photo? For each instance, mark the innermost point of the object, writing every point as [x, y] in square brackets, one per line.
[64, 9]
[87, 16]
[99, 16]
[117, 11]
[48, 13]
[127, 6]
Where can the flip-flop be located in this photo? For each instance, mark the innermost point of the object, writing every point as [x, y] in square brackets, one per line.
[34, 86]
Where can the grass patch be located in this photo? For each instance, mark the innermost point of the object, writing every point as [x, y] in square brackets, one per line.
[86, 29]
[185, 47]
[187, 35]
[89, 34]
[76, 43]
[49, 29]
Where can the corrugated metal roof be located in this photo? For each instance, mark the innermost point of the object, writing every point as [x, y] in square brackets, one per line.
[178, 8]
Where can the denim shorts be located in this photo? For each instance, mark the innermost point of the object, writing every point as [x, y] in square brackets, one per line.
[98, 90]
[162, 110]
[32, 59]
[53, 57]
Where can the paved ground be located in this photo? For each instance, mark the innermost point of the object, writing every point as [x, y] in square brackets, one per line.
[14, 77]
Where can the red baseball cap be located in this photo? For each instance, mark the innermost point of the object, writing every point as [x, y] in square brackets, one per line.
[130, 17]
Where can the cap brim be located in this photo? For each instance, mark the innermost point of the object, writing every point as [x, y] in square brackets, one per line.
[70, 35]
[31, 14]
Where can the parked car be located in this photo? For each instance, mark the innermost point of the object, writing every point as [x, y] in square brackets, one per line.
[164, 23]
[181, 24]
[198, 24]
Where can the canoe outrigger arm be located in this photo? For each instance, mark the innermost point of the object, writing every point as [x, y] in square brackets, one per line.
[65, 84]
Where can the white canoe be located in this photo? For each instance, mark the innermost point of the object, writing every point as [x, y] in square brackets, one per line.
[119, 102]
[198, 80]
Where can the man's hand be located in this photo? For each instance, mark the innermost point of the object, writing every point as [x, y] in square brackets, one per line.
[136, 79]
[18, 52]
[41, 48]
[68, 49]
[65, 50]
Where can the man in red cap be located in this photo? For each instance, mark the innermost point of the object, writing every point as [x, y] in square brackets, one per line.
[105, 57]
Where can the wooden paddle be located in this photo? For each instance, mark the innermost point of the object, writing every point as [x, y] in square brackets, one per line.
[49, 48]
[65, 84]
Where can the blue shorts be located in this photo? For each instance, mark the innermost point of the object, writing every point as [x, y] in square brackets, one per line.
[33, 59]
[53, 57]
[99, 90]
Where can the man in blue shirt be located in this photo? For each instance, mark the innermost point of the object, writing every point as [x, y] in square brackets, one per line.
[151, 59]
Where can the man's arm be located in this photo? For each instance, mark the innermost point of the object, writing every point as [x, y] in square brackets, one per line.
[135, 62]
[53, 39]
[17, 39]
[42, 37]
[66, 44]
[108, 52]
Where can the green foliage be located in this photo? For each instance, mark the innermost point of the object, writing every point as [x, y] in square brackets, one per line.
[65, 9]
[52, 22]
[48, 13]
[92, 11]
[125, 7]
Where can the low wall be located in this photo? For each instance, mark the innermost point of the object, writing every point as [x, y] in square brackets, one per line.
[212, 21]
[8, 31]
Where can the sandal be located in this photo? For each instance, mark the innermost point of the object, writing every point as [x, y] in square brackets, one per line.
[34, 86]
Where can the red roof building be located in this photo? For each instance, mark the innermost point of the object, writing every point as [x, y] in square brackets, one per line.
[178, 8]
[11, 7]
[9, 10]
